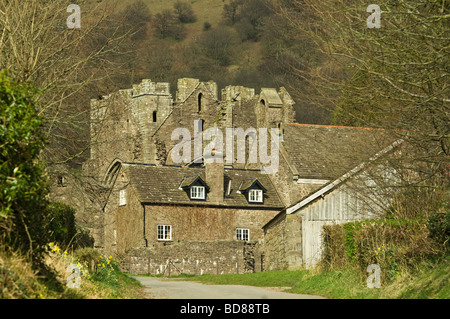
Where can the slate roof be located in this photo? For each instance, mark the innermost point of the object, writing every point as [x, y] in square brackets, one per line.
[160, 184]
[189, 180]
[247, 183]
[327, 152]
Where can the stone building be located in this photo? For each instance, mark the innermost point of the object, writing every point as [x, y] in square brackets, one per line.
[163, 208]
[202, 215]
[340, 174]
[136, 197]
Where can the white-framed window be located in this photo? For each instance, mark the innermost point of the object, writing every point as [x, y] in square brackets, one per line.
[243, 234]
[255, 196]
[197, 192]
[122, 197]
[164, 232]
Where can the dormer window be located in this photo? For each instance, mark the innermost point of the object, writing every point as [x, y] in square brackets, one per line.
[195, 187]
[253, 190]
[255, 196]
[197, 192]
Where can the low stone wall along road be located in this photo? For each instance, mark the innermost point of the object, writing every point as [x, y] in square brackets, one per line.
[162, 288]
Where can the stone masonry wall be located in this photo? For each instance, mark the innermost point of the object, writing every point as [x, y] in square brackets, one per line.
[204, 223]
[193, 257]
[274, 247]
[283, 244]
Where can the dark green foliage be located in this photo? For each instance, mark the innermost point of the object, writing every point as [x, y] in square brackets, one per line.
[28, 222]
[334, 250]
[61, 224]
[83, 239]
[350, 230]
[389, 243]
[23, 187]
[21, 142]
[246, 30]
[439, 228]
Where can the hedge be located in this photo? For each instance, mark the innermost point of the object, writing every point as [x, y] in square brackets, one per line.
[390, 243]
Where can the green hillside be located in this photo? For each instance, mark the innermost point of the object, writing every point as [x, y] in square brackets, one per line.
[230, 42]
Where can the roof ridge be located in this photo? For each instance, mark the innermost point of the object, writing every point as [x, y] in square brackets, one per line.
[136, 163]
[337, 126]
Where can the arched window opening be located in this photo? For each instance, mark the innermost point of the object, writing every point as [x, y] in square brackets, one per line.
[154, 116]
[112, 172]
[199, 102]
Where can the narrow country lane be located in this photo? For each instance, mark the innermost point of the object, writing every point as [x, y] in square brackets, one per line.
[160, 288]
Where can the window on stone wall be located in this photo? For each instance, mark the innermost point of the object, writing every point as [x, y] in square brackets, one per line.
[199, 102]
[164, 232]
[122, 197]
[243, 234]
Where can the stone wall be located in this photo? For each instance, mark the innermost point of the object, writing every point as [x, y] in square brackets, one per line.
[274, 246]
[293, 242]
[204, 223]
[193, 257]
[283, 243]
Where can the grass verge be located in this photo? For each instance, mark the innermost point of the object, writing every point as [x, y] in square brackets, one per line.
[430, 280]
[19, 280]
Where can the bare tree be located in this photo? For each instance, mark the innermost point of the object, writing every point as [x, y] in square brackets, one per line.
[394, 76]
[69, 66]
[36, 43]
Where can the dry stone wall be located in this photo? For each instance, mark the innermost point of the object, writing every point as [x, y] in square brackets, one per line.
[193, 257]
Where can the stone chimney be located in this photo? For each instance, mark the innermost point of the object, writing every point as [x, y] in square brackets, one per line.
[215, 179]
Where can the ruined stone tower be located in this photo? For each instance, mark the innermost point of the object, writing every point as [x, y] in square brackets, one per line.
[135, 125]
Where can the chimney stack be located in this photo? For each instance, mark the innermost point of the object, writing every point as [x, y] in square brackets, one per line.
[215, 178]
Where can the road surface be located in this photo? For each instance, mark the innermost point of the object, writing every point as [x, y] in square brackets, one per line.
[161, 288]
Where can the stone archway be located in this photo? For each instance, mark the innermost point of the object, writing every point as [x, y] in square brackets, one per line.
[112, 171]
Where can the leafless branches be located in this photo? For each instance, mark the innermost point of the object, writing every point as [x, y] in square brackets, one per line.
[395, 77]
[37, 46]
